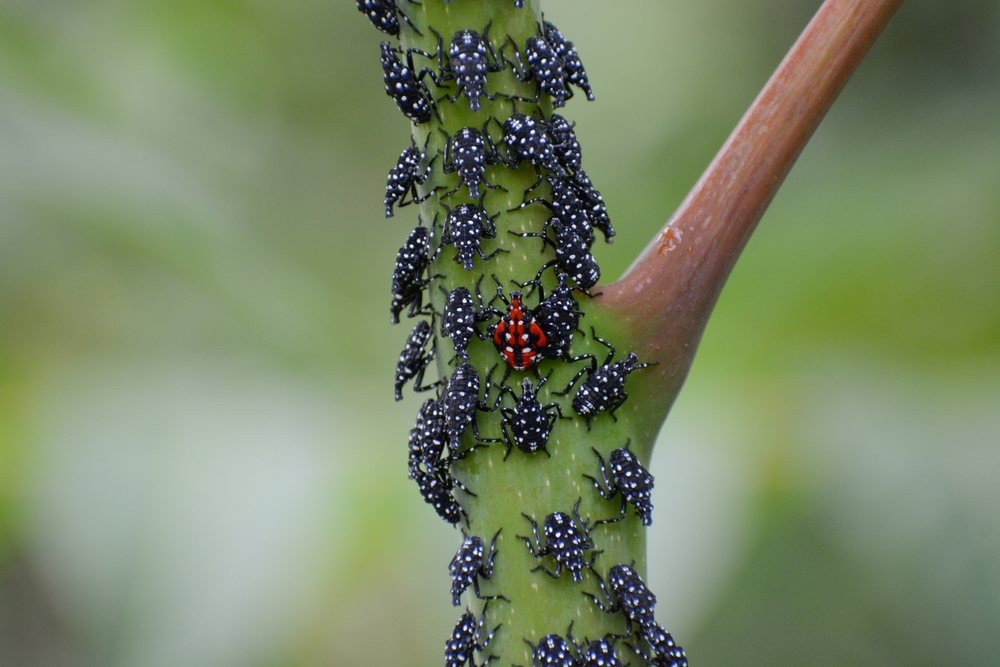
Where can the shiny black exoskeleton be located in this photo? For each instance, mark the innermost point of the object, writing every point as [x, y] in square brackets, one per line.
[545, 68]
[527, 140]
[470, 58]
[461, 401]
[404, 86]
[665, 652]
[404, 179]
[565, 143]
[559, 316]
[465, 227]
[528, 424]
[465, 640]
[551, 651]
[597, 653]
[469, 565]
[604, 388]
[573, 255]
[632, 598]
[408, 281]
[597, 211]
[414, 358]
[429, 466]
[566, 52]
[468, 153]
[460, 317]
[629, 477]
[564, 541]
[384, 15]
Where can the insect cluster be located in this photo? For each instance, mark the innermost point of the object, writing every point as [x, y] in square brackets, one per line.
[527, 325]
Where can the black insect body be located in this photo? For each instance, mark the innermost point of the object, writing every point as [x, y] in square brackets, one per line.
[466, 639]
[465, 227]
[597, 211]
[598, 653]
[405, 87]
[564, 541]
[565, 143]
[529, 423]
[571, 210]
[468, 566]
[545, 67]
[437, 492]
[460, 317]
[552, 651]
[558, 315]
[566, 52]
[408, 279]
[460, 402]
[414, 358]
[630, 478]
[404, 179]
[470, 58]
[632, 597]
[665, 653]
[573, 254]
[604, 388]
[527, 140]
[384, 15]
[468, 154]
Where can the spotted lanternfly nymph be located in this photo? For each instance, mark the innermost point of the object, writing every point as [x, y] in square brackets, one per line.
[564, 541]
[460, 402]
[566, 52]
[468, 154]
[573, 254]
[384, 15]
[630, 478]
[404, 179]
[545, 68]
[597, 653]
[529, 423]
[597, 211]
[470, 58]
[604, 388]
[565, 143]
[469, 565]
[665, 653]
[552, 651]
[465, 640]
[414, 358]
[632, 597]
[408, 279]
[405, 87]
[460, 317]
[527, 140]
[517, 336]
[465, 227]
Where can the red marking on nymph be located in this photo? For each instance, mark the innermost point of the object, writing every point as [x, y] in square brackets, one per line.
[517, 336]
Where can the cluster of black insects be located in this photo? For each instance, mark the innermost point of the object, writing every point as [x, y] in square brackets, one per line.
[523, 336]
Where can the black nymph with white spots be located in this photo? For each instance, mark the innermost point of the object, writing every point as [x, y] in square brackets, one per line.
[405, 87]
[573, 255]
[566, 52]
[460, 317]
[414, 358]
[527, 140]
[598, 653]
[664, 652]
[604, 388]
[408, 281]
[469, 565]
[552, 651]
[632, 598]
[468, 153]
[470, 58]
[405, 177]
[558, 314]
[460, 402]
[565, 541]
[597, 211]
[565, 143]
[384, 15]
[465, 227]
[528, 424]
[629, 477]
[569, 210]
[546, 69]
[466, 639]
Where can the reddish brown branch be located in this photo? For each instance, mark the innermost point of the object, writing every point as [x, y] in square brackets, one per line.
[669, 292]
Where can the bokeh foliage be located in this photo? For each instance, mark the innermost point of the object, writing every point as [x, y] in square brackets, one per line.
[200, 461]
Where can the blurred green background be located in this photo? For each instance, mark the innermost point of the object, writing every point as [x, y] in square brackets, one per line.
[200, 460]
